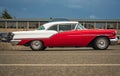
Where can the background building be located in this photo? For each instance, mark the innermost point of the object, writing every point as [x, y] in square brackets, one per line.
[7, 25]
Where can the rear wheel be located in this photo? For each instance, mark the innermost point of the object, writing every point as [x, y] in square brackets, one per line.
[37, 45]
[101, 43]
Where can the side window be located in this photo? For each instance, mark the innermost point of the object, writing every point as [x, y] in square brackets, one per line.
[62, 27]
[80, 27]
[73, 26]
[53, 28]
[65, 27]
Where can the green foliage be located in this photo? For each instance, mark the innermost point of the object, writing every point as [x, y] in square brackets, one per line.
[6, 15]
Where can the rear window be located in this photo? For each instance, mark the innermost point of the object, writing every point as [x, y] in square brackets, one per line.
[41, 28]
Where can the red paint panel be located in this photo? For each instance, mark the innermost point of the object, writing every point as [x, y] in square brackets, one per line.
[69, 38]
[72, 38]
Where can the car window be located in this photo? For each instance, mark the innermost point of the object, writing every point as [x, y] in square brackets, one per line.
[80, 27]
[62, 27]
[53, 28]
[66, 27]
[41, 27]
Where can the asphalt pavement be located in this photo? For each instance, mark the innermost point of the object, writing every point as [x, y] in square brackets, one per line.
[61, 62]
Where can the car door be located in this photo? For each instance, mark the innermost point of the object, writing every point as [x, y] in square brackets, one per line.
[66, 36]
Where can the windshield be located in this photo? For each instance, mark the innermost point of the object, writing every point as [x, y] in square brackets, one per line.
[80, 27]
[41, 28]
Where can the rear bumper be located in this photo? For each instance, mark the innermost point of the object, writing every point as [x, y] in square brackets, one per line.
[114, 41]
[15, 42]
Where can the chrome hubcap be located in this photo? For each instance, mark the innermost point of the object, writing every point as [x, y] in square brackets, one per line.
[101, 43]
[36, 44]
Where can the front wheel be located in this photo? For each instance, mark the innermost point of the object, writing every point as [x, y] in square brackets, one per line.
[101, 43]
[37, 45]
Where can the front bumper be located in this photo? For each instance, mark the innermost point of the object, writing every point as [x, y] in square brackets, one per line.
[114, 41]
[15, 42]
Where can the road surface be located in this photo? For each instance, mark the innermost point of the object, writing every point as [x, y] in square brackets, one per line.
[61, 62]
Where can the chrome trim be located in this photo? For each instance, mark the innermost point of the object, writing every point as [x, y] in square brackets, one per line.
[15, 42]
[114, 41]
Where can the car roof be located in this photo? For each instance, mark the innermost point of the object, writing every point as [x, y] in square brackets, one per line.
[47, 25]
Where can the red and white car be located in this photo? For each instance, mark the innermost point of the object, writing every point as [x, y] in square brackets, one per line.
[65, 34]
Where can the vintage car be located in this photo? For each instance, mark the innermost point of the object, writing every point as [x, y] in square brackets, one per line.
[64, 34]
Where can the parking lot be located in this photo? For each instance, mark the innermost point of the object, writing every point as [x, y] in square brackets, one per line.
[61, 62]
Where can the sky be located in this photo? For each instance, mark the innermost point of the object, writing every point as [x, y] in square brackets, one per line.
[85, 9]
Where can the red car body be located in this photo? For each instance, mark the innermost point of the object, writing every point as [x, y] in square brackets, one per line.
[72, 38]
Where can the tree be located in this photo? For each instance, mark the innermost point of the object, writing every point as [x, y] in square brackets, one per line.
[6, 15]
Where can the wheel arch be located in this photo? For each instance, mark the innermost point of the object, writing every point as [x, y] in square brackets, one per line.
[91, 43]
[29, 42]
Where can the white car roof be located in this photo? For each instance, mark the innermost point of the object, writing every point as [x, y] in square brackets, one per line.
[47, 25]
